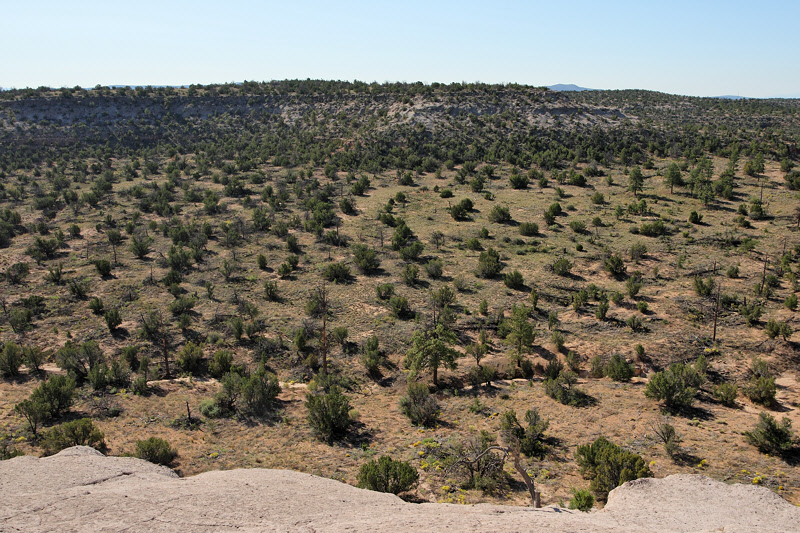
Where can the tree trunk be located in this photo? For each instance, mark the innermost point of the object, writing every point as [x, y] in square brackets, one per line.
[535, 496]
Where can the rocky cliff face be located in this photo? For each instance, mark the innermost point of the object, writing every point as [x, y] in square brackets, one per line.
[81, 490]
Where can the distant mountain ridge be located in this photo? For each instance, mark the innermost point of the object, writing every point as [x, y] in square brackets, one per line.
[568, 87]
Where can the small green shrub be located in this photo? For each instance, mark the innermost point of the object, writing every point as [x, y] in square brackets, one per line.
[434, 268]
[155, 450]
[489, 264]
[419, 405]
[220, 363]
[387, 475]
[726, 394]
[190, 358]
[336, 273]
[581, 500]
[410, 275]
[530, 438]
[514, 280]
[81, 432]
[562, 267]
[384, 291]
[399, 306]
[271, 290]
[500, 215]
[771, 437]
[676, 387]
[528, 229]
[608, 466]
[103, 267]
[761, 390]
[113, 319]
[329, 414]
[618, 369]
[11, 358]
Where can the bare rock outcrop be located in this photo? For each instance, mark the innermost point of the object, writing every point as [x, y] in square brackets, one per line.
[79, 489]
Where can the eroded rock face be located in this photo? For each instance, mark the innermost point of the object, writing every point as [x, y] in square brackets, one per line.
[79, 489]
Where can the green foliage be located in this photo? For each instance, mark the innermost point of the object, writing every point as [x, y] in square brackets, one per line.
[608, 466]
[329, 414]
[577, 226]
[562, 267]
[372, 357]
[518, 181]
[514, 280]
[703, 287]
[638, 251]
[669, 437]
[431, 349]
[726, 394]
[271, 290]
[220, 364]
[500, 215]
[81, 432]
[489, 264]
[771, 437]
[434, 268]
[653, 229]
[761, 390]
[113, 319]
[77, 360]
[56, 395]
[614, 265]
[399, 306]
[190, 358]
[751, 312]
[155, 450]
[528, 229]
[618, 369]
[384, 291]
[366, 259]
[419, 405]
[387, 475]
[103, 267]
[581, 500]
[11, 358]
[529, 439]
[775, 328]
[634, 284]
[17, 272]
[410, 275]
[337, 273]
[676, 387]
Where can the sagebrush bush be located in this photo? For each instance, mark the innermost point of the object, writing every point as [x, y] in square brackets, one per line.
[726, 394]
[581, 500]
[761, 390]
[529, 439]
[771, 437]
[676, 387]
[81, 432]
[155, 450]
[514, 280]
[10, 359]
[528, 229]
[387, 475]
[608, 466]
[618, 369]
[419, 405]
[329, 414]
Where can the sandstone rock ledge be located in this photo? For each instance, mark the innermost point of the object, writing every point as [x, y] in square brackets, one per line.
[79, 489]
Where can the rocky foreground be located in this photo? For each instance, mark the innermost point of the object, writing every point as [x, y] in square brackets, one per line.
[79, 489]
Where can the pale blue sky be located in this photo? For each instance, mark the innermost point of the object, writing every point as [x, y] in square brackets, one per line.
[698, 47]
